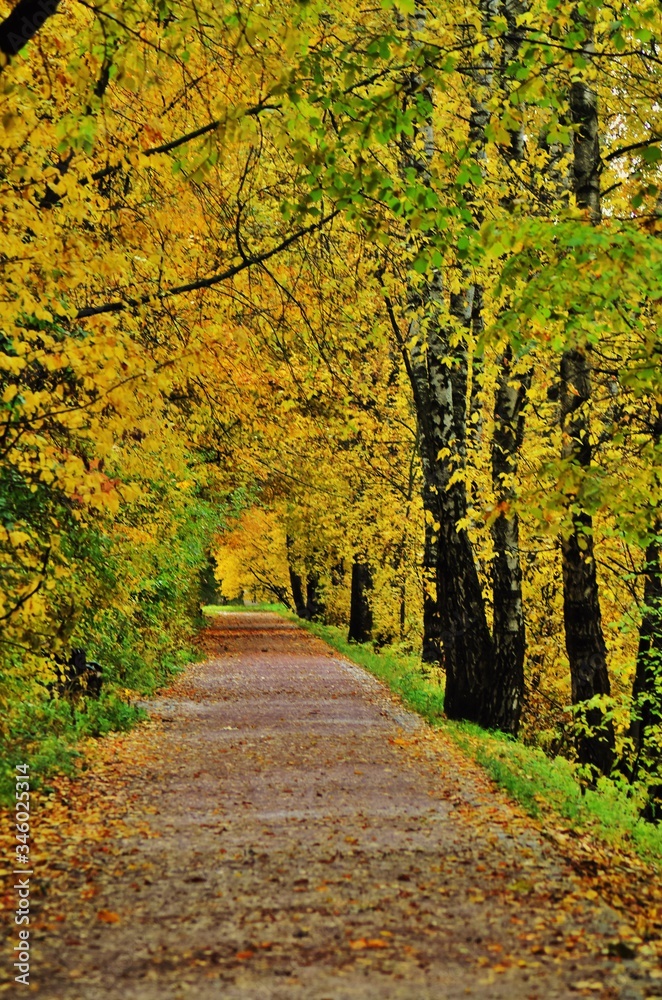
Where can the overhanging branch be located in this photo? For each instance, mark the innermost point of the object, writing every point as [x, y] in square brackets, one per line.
[167, 147]
[120, 305]
[622, 150]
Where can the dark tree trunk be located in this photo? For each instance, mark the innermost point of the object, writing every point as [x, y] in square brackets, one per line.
[360, 612]
[585, 644]
[78, 676]
[508, 629]
[647, 687]
[403, 611]
[296, 583]
[296, 586]
[315, 606]
[467, 644]
[208, 582]
[23, 23]
[338, 574]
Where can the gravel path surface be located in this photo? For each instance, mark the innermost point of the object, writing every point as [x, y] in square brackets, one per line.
[292, 832]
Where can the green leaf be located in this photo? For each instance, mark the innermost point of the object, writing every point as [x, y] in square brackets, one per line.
[653, 154]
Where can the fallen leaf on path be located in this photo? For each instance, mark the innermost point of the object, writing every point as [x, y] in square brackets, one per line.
[367, 943]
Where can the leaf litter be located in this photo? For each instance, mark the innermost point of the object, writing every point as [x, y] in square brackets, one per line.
[283, 836]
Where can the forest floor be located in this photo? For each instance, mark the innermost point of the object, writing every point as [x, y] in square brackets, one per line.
[283, 828]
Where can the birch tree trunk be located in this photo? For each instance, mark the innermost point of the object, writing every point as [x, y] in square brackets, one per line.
[467, 645]
[508, 627]
[432, 627]
[484, 681]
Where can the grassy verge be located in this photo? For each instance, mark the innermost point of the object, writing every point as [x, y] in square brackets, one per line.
[402, 673]
[219, 609]
[46, 733]
[539, 784]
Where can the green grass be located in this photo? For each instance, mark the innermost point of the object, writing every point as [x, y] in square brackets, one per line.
[47, 733]
[540, 784]
[402, 673]
[217, 609]
[543, 785]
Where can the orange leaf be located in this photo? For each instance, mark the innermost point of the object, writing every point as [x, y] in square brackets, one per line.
[367, 943]
[242, 955]
[108, 917]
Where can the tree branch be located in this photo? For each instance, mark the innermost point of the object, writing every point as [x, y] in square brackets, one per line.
[166, 147]
[120, 305]
[26, 597]
[622, 150]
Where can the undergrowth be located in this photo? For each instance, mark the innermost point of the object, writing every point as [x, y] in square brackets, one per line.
[46, 729]
[46, 734]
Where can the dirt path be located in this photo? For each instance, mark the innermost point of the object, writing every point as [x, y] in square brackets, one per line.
[292, 832]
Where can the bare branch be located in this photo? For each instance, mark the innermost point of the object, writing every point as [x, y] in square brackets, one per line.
[120, 305]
